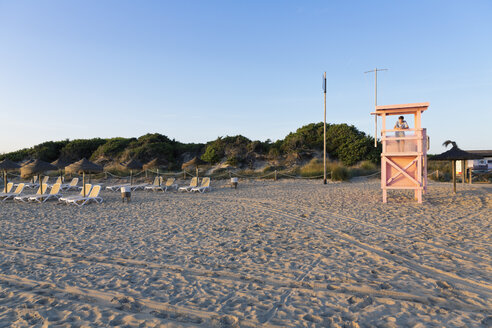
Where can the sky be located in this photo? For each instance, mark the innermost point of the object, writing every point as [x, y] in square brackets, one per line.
[197, 70]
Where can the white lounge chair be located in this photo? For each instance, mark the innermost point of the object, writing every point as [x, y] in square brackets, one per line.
[193, 184]
[46, 178]
[10, 185]
[93, 196]
[66, 199]
[138, 186]
[25, 198]
[31, 185]
[170, 183]
[203, 187]
[117, 187]
[17, 192]
[54, 193]
[71, 185]
[58, 180]
[157, 182]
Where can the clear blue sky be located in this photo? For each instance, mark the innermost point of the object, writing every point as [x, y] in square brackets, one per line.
[196, 70]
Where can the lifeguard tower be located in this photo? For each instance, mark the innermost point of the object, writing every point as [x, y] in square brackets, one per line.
[404, 158]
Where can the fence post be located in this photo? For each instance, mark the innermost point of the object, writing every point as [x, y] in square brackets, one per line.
[437, 174]
[275, 176]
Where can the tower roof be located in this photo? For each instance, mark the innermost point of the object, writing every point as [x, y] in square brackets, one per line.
[401, 109]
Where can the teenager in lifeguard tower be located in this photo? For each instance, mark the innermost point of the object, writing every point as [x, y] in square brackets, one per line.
[401, 124]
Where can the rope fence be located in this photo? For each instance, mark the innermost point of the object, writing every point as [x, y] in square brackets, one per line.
[275, 175]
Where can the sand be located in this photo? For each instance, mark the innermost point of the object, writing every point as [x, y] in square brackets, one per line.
[291, 253]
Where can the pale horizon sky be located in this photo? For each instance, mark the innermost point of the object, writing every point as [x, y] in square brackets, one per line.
[196, 70]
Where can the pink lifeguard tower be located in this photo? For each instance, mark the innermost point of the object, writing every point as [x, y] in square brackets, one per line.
[404, 158]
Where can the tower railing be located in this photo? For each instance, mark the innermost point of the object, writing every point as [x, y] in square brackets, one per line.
[413, 142]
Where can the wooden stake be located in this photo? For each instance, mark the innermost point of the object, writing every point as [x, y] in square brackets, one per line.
[454, 176]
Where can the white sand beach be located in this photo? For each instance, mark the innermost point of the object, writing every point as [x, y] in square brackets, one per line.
[291, 253]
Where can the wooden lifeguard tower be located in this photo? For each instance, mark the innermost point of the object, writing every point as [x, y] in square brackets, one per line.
[404, 158]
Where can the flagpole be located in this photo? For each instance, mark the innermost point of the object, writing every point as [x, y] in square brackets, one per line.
[376, 70]
[324, 130]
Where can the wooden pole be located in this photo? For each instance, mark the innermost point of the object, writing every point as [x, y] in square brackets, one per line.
[463, 170]
[324, 135]
[275, 176]
[454, 176]
[5, 180]
[470, 178]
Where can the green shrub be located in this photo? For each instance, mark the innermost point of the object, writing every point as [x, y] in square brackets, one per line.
[81, 148]
[339, 173]
[273, 153]
[233, 161]
[368, 166]
[113, 148]
[313, 168]
[212, 154]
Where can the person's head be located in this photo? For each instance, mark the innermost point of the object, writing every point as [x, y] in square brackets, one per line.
[401, 119]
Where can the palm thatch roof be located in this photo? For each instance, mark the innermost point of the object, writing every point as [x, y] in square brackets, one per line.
[84, 166]
[455, 154]
[196, 161]
[155, 164]
[24, 163]
[61, 163]
[36, 167]
[132, 164]
[8, 165]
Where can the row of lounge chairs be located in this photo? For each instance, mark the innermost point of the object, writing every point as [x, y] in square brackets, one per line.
[42, 195]
[170, 183]
[59, 180]
[160, 185]
[92, 192]
[194, 187]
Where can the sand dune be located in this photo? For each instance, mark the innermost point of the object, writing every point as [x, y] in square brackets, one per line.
[291, 253]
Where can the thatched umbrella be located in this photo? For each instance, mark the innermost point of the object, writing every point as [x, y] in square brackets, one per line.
[156, 163]
[455, 154]
[27, 161]
[195, 162]
[132, 164]
[7, 165]
[37, 167]
[24, 163]
[61, 164]
[84, 166]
